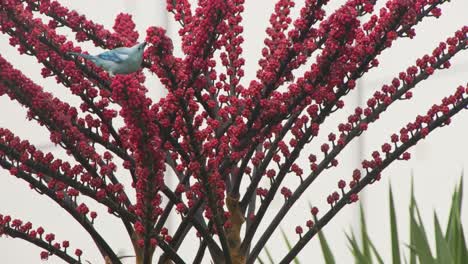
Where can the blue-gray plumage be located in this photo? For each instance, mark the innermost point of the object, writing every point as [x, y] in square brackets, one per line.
[117, 61]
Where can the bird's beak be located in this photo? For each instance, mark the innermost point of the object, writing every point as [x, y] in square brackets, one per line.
[144, 44]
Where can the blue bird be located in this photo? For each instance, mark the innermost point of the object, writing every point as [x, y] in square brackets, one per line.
[117, 61]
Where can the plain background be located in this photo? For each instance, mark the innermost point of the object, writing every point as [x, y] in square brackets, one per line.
[436, 165]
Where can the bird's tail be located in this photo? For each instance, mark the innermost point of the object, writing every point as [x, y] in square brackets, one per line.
[86, 56]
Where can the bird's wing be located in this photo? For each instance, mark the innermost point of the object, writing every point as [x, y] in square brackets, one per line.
[116, 56]
[123, 50]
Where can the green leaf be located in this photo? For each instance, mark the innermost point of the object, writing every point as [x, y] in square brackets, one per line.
[260, 260]
[420, 223]
[464, 249]
[421, 245]
[358, 255]
[453, 234]
[464, 253]
[288, 244]
[367, 245]
[412, 256]
[326, 251]
[460, 193]
[405, 259]
[452, 216]
[442, 248]
[364, 236]
[270, 258]
[394, 231]
[327, 254]
[376, 253]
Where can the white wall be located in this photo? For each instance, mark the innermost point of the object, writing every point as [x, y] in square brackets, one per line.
[436, 164]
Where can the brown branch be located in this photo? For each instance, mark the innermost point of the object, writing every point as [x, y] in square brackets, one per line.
[42, 168]
[176, 242]
[40, 243]
[370, 177]
[355, 132]
[55, 126]
[70, 207]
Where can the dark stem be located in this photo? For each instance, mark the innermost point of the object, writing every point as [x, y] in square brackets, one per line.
[40, 243]
[369, 178]
[355, 132]
[70, 207]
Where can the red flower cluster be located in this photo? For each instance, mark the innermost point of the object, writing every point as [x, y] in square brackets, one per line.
[16, 229]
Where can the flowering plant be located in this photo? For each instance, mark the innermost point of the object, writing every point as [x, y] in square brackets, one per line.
[218, 133]
[449, 247]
